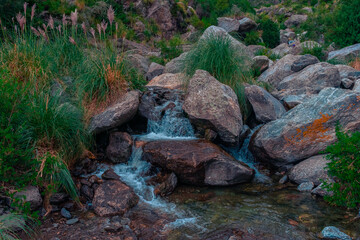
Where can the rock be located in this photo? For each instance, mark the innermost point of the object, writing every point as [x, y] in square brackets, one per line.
[292, 101]
[113, 198]
[139, 62]
[310, 80]
[58, 198]
[210, 135]
[197, 162]
[284, 179]
[286, 36]
[229, 24]
[31, 195]
[168, 80]
[139, 26]
[308, 9]
[116, 115]
[348, 72]
[255, 49]
[303, 62]
[306, 187]
[72, 221]
[120, 147]
[281, 50]
[176, 65]
[356, 87]
[110, 175]
[265, 106]
[347, 83]
[167, 187]
[213, 105]
[310, 170]
[161, 12]
[261, 63]
[307, 129]
[321, 191]
[333, 233]
[295, 20]
[65, 213]
[281, 69]
[155, 70]
[87, 192]
[246, 25]
[345, 54]
[137, 48]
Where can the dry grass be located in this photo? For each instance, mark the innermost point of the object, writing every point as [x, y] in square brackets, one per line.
[356, 64]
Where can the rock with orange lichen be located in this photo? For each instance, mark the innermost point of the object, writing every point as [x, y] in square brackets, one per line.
[308, 128]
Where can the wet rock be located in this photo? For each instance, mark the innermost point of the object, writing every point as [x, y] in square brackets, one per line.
[113, 227]
[65, 213]
[261, 63]
[306, 187]
[197, 162]
[116, 115]
[72, 221]
[155, 70]
[310, 170]
[303, 62]
[213, 105]
[307, 129]
[120, 147]
[176, 65]
[347, 83]
[286, 35]
[321, 191]
[265, 106]
[281, 50]
[139, 62]
[246, 25]
[333, 233]
[284, 179]
[168, 80]
[210, 135]
[345, 54]
[110, 175]
[58, 198]
[167, 187]
[31, 195]
[113, 198]
[295, 20]
[87, 192]
[229, 24]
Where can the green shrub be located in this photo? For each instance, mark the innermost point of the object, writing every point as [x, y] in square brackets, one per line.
[344, 166]
[252, 38]
[271, 32]
[170, 49]
[315, 51]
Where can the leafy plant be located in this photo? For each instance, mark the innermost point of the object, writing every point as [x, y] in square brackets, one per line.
[170, 49]
[10, 224]
[271, 32]
[315, 51]
[252, 38]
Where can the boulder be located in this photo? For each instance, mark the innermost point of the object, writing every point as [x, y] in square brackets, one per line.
[168, 80]
[310, 80]
[281, 50]
[310, 170]
[292, 101]
[356, 87]
[176, 65]
[197, 162]
[228, 24]
[286, 35]
[161, 12]
[307, 129]
[345, 54]
[110, 175]
[348, 72]
[120, 147]
[139, 62]
[306, 187]
[116, 115]
[31, 195]
[113, 198]
[295, 20]
[331, 232]
[155, 70]
[261, 63]
[255, 49]
[303, 62]
[321, 191]
[167, 187]
[246, 25]
[213, 105]
[347, 83]
[265, 106]
[137, 48]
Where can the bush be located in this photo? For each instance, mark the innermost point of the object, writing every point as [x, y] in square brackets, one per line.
[252, 38]
[344, 166]
[170, 49]
[315, 51]
[271, 32]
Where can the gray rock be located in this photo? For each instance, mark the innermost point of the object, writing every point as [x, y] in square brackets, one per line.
[30, 195]
[72, 221]
[281, 50]
[292, 101]
[137, 48]
[303, 62]
[139, 62]
[120, 147]
[229, 24]
[347, 83]
[168, 80]
[286, 36]
[321, 191]
[155, 70]
[255, 49]
[213, 105]
[246, 25]
[307, 129]
[356, 87]
[310, 170]
[345, 54]
[116, 115]
[176, 65]
[57, 198]
[348, 72]
[306, 187]
[284, 179]
[295, 20]
[333, 233]
[65, 213]
[167, 187]
[265, 106]
[261, 63]
[110, 175]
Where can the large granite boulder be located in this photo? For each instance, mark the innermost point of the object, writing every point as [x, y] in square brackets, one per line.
[307, 129]
[303, 62]
[168, 80]
[345, 54]
[261, 63]
[246, 25]
[113, 197]
[139, 62]
[197, 162]
[120, 147]
[155, 70]
[30, 195]
[213, 105]
[176, 65]
[310, 170]
[348, 72]
[266, 107]
[116, 115]
[295, 20]
[281, 50]
[228, 24]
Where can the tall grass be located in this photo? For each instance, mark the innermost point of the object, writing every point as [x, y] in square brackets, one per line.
[223, 60]
[10, 224]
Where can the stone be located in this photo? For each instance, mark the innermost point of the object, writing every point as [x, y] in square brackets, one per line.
[120, 147]
[356, 87]
[213, 105]
[246, 25]
[139, 62]
[155, 70]
[176, 65]
[332, 232]
[197, 162]
[31, 195]
[87, 192]
[228, 24]
[284, 179]
[255, 49]
[110, 175]
[266, 107]
[307, 129]
[210, 135]
[113, 198]
[295, 20]
[286, 36]
[72, 221]
[321, 191]
[137, 48]
[160, 12]
[167, 187]
[291, 101]
[116, 115]
[168, 80]
[58, 198]
[312, 169]
[347, 83]
[65, 213]
[348, 72]
[306, 187]
[345, 54]
[261, 63]
[281, 50]
[303, 62]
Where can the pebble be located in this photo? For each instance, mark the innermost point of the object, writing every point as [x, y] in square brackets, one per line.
[306, 187]
[284, 179]
[72, 221]
[65, 213]
[334, 233]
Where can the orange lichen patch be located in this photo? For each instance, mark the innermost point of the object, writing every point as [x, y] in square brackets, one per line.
[315, 132]
[356, 64]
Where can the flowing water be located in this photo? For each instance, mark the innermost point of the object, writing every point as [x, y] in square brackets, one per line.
[261, 208]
